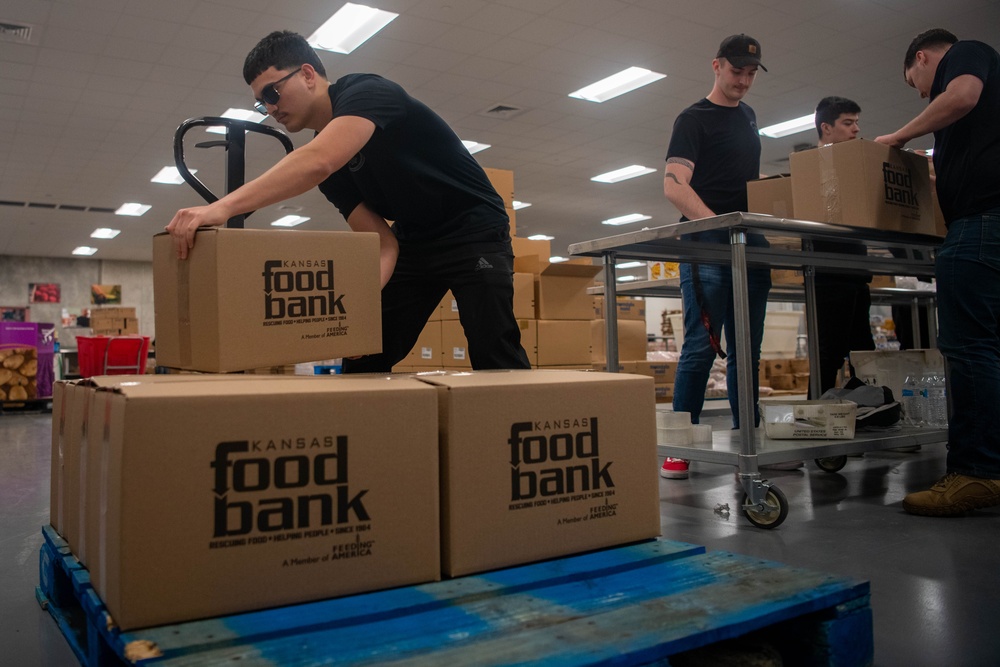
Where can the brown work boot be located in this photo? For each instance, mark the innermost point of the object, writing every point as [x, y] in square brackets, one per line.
[954, 494]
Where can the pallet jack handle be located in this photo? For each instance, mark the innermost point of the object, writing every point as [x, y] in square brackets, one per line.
[235, 145]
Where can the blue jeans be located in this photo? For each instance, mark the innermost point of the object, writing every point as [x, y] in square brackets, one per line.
[968, 292]
[697, 354]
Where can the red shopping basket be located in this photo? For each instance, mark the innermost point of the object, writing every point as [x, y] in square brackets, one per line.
[112, 355]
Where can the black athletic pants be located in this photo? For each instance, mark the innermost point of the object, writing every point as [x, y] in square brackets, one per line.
[479, 272]
[843, 323]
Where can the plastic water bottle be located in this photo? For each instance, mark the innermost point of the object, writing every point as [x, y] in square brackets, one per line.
[937, 402]
[911, 401]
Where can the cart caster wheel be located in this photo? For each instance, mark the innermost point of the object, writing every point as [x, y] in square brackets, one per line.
[774, 515]
[832, 463]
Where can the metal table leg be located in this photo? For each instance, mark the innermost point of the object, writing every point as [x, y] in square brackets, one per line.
[611, 312]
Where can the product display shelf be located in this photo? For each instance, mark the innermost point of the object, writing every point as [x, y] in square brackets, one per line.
[631, 605]
[757, 240]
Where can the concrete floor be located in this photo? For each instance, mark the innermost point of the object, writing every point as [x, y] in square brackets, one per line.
[935, 582]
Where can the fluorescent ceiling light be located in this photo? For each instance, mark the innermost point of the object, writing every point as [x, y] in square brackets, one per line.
[793, 126]
[626, 219]
[105, 233]
[349, 28]
[238, 114]
[518, 205]
[170, 176]
[630, 265]
[540, 237]
[626, 279]
[132, 209]
[84, 250]
[289, 221]
[617, 84]
[623, 174]
[475, 146]
[556, 259]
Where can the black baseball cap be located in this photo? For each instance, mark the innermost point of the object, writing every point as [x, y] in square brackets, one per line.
[740, 50]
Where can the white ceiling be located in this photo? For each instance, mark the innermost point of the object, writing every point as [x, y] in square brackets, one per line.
[89, 108]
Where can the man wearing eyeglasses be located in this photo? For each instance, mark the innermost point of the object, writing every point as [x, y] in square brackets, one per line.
[379, 154]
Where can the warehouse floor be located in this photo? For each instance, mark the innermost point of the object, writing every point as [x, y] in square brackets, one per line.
[935, 583]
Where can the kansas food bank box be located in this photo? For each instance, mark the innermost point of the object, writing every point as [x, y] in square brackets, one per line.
[538, 464]
[248, 298]
[220, 497]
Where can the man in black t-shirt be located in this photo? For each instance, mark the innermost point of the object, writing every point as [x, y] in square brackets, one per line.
[714, 150]
[962, 81]
[378, 154]
[843, 301]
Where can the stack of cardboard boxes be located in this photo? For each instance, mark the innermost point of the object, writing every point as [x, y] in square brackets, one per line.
[114, 321]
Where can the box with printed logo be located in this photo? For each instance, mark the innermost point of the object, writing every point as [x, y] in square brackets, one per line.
[224, 496]
[544, 463]
[863, 184]
[249, 298]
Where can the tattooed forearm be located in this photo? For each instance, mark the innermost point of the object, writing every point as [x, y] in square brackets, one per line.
[672, 178]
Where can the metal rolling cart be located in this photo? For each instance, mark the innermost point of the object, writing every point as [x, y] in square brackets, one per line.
[893, 253]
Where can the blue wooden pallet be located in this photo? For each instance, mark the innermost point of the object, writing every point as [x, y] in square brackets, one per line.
[632, 605]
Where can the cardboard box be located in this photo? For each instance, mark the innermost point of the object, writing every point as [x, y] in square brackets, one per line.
[809, 420]
[889, 368]
[629, 308]
[664, 393]
[563, 342]
[539, 464]
[249, 298]
[261, 497]
[863, 184]
[561, 291]
[112, 312]
[529, 339]
[454, 346]
[530, 255]
[631, 340]
[503, 183]
[662, 372]
[426, 352]
[771, 196]
[786, 277]
[524, 296]
[448, 309]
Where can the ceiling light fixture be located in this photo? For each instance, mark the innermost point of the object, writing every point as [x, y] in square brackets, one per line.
[626, 219]
[170, 176]
[350, 27]
[105, 233]
[556, 259]
[629, 265]
[518, 205]
[84, 250]
[793, 126]
[238, 114]
[626, 279]
[541, 237]
[623, 174]
[617, 84]
[289, 221]
[474, 146]
[133, 209]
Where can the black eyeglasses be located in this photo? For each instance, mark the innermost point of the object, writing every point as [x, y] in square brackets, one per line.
[269, 94]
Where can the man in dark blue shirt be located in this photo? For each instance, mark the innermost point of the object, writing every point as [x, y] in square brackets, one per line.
[378, 155]
[962, 81]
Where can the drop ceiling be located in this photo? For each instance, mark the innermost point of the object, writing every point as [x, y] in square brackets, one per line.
[89, 103]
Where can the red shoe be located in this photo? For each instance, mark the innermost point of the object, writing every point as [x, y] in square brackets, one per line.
[674, 468]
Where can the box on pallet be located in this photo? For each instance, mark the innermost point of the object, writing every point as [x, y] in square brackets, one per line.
[629, 308]
[249, 298]
[864, 184]
[538, 464]
[808, 420]
[261, 511]
[631, 340]
[561, 291]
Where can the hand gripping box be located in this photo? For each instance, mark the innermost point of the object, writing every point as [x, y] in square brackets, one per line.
[227, 496]
[544, 463]
[249, 298]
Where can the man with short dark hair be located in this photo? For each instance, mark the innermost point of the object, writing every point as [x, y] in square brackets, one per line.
[714, 150]
[843, 300]
[962, 81]
[378, 154]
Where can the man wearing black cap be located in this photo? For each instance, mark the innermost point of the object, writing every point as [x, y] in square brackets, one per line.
[714, 150]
